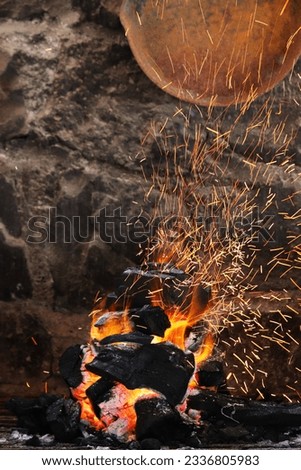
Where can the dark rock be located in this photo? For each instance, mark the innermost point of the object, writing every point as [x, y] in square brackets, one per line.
[105, 12]
[70, 365]
[119, 53]
[35, 353]
[16, 282]
[162, 367]
[12, 110]
[9, 215]
[30, 10]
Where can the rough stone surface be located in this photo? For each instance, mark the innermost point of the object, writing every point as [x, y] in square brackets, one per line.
[74, 111]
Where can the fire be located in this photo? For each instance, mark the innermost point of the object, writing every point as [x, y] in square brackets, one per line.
[118, 413]
[205, 350]
[87, 413]
[210, 266]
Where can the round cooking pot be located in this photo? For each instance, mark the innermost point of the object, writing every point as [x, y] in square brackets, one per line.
[214, 52]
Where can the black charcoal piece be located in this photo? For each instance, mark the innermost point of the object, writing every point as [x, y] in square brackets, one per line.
[63, 417]
[34, 441]
[112, 301]
[137, 284]
[162, 367]
[150, 444]
[109, 316]
[31, 412]
[135, 337]
[237, 410]
[70, 365]
[156, 419]
[150, 320]
[97, 391]
[211, 374]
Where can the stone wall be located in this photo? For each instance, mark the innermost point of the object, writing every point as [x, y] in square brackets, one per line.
[75, 108]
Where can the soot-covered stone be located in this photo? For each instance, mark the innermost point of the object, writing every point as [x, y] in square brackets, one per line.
[162, 367]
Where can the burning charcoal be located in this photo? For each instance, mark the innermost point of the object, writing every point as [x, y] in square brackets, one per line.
[138, 284]
[31, 412]
[150, 320]
[211, 374]
[96, 392]
[70, 365]
[246, 411]
[135, 337]
[162, 367]
[112, 301]
[63, 417]
[156, 419]
[102, 321]
[167, 268]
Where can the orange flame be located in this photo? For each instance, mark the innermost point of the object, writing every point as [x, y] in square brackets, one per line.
[119, 413]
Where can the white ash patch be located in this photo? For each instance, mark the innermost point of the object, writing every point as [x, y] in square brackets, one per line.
[18, 436]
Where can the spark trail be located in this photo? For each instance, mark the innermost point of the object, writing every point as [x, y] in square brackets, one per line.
[217, 174]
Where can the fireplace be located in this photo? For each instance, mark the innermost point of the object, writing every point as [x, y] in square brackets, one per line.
[153, 377]
[193, 339]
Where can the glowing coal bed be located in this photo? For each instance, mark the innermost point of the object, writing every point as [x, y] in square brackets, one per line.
[151, 375]
[144, 355]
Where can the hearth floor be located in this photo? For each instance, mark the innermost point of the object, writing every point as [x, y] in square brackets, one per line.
[14, 439]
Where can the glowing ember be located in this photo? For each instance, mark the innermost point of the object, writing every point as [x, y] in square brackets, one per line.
[116, 413]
